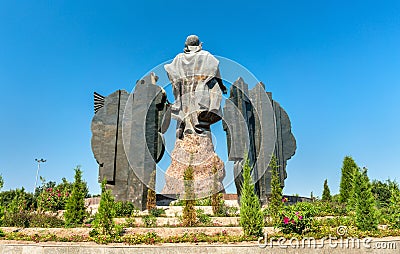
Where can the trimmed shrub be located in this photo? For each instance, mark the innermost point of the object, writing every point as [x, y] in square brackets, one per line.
[26, 219]
[16, 219]
[43, 220]
[198, 202]
[157, 212]
[149, 221]
[124, 209]
[203, 218]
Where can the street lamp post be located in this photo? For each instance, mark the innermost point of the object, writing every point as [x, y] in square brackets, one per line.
[37, 171]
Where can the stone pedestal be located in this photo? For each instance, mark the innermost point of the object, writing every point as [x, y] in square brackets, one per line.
[197, 151]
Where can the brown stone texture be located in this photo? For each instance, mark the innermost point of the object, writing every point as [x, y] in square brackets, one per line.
[197, 151]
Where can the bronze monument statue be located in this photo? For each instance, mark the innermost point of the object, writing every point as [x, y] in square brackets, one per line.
[197, 88]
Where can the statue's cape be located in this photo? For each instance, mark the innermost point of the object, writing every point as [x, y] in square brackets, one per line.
[190, 64]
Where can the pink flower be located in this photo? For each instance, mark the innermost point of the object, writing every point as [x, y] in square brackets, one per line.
[300, 217]
[284, 200]
[59, 194]
[293, 222]
[297, 213]
[286, 220]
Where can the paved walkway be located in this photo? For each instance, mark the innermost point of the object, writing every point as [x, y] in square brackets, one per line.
[390, 245]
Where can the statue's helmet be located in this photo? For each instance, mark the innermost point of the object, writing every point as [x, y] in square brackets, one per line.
[192, 40]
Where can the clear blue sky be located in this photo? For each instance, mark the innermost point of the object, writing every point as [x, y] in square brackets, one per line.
[333, 65]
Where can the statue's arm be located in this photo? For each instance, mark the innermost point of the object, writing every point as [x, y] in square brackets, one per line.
[176, 89]
[219, 81]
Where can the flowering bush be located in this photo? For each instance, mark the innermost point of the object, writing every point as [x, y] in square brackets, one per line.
[296, 218]
[53, 199]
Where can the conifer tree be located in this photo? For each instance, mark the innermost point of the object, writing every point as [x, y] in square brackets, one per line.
[349, 169]
[216, 197]
[251, 218]
[326, 194]
[366, 214]
[106, 212]
[189, 213]
[275, 204]
[394, 207]
[75, 208]
[1, 203]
